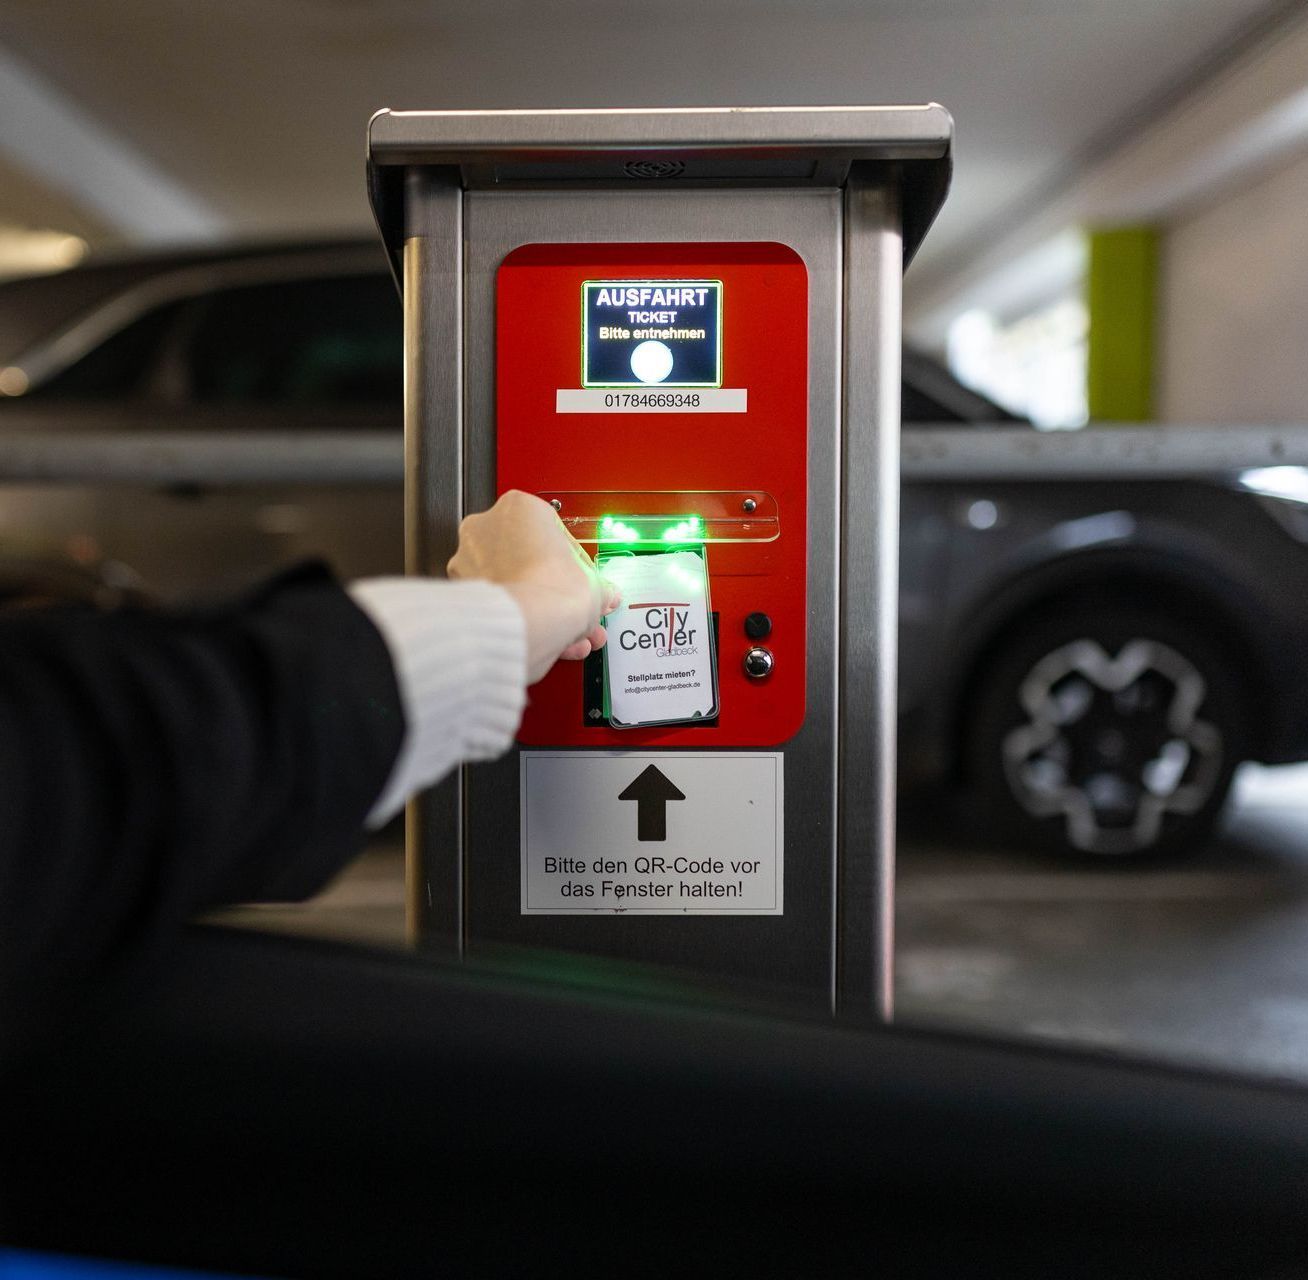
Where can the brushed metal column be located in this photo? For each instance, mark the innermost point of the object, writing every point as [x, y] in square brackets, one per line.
[869, 603]
[433, 507]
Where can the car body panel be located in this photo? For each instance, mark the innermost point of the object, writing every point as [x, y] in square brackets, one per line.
[1206, 542]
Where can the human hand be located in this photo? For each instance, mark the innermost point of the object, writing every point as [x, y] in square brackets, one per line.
[522, 544]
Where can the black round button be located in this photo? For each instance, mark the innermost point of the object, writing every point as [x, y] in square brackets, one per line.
[758, 626]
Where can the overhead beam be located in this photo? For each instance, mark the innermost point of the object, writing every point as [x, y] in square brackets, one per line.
[1237, 117]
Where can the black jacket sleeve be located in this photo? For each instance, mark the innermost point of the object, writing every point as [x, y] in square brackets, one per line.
[153, 765]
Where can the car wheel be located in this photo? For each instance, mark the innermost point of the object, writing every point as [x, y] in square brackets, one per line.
[1108, 732]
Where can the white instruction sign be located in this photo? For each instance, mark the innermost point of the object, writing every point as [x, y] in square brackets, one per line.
[658, 660]
[660, 833]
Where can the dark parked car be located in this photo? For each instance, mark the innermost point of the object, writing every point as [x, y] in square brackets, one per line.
[1090, 659]
[259, 340]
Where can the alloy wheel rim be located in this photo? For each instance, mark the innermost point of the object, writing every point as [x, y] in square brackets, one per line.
[1112, 744]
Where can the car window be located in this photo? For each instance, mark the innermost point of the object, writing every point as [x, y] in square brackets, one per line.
[119, 366]
[333, 341]
[931, 394]
[916, 406]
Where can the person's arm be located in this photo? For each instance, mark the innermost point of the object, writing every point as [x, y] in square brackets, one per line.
[152, 765]
[459, 650]
[525, 595]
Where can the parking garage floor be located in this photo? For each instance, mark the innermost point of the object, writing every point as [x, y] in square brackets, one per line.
[1204, 962]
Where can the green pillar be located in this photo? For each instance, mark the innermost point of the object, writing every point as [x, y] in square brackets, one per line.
[1120, 298]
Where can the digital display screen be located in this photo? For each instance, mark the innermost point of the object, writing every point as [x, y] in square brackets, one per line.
[644, 333]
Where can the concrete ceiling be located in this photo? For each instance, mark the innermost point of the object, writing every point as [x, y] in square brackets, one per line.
[256, 109]
[26, 201]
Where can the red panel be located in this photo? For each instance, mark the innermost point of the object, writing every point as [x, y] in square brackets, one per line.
[765, 350]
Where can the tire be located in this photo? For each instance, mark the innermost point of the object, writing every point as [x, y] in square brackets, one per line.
[1108, 731]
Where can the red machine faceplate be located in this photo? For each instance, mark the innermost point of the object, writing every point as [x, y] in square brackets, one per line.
[763, 450]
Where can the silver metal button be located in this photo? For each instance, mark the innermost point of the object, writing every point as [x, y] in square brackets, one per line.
[758, 663]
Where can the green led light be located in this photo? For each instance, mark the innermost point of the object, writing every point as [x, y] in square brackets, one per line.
[614, 530]
[686, 530]
[617, 531]
[646, 529]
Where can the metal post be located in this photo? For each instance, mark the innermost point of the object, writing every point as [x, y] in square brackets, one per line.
[433, 507]
[869, 602]
[470, 200]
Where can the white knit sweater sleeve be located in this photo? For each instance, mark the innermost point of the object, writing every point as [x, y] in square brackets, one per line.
[460, 655]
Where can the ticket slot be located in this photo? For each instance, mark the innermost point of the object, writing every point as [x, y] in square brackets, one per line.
[745, 516]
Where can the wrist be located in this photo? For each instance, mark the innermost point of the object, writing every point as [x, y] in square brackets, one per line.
[552, 620]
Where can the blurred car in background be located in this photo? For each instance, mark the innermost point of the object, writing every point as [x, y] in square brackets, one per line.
[1088, 660]
[270, 339]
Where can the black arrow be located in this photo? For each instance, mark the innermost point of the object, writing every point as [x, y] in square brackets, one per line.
[651, 792]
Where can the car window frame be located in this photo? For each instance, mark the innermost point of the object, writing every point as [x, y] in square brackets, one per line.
[90, 328]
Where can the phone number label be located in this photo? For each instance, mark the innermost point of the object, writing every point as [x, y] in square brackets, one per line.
[707, 400]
